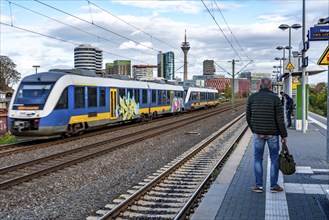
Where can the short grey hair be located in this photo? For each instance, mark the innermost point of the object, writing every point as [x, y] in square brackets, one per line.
[265, 83]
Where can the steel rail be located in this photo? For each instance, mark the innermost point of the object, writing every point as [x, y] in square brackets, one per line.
[116, 211]
[7, 183]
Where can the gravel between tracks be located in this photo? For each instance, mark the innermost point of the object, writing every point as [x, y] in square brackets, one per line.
[80, 190]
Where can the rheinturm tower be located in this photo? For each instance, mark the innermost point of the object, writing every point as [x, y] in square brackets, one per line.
[185, 47]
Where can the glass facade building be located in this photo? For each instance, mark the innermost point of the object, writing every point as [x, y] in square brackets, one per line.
[166, 65]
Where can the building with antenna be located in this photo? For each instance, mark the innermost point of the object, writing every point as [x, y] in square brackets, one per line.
[185, 47]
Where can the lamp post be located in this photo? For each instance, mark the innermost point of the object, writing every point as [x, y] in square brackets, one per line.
[36, 68]
[284, 50]
[284, 27]
[281, 65]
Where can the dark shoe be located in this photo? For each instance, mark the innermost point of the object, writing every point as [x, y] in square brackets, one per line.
[276, 189]
[257, 189]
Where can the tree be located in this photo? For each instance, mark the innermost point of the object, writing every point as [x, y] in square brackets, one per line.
[8, 74]
[318, 99]
[228, 90]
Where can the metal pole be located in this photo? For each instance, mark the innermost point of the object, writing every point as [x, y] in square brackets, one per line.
[233, 97]
[303, 75]
[328, 114]
[290, 74]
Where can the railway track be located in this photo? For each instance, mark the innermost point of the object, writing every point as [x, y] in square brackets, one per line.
[174, 191]
[21, 147]
[21, 172]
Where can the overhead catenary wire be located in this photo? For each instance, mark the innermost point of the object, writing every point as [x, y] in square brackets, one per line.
[59, 39]
[213, 17]
[103, 28]
[71, 26]
[220, 11]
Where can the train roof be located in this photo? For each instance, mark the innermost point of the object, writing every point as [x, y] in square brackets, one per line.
[78, 78]
[43, 77]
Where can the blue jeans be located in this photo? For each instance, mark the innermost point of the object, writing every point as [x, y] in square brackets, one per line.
[274, 147]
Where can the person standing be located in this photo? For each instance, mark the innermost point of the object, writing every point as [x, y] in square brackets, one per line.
[265, 118]
[289, 102]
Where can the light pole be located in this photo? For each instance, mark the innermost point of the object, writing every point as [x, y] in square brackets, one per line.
[284, 27]
[36, 68]
[281, 65]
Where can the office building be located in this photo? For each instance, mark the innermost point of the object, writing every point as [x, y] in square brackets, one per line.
[143, 71]
[208, 67]
[166, 65]
[88, 57]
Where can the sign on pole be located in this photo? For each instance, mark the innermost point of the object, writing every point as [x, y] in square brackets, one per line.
[324, 59]
[290, 66]
[320, 32]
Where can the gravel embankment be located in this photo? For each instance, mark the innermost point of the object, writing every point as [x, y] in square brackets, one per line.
[80, 190]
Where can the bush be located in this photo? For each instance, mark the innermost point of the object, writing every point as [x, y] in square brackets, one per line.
[7, 139]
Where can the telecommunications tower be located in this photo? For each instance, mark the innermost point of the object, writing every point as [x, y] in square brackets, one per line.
[185, 47]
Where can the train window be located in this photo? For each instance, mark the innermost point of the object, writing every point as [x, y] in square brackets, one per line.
[136, 95]
[168, 97]
[130, 93]
[144, 96]
[179, 94]
[122, 93]
[210, 96]
[202, 96]
[92, 97]
[194, 96]
[160, 97]
[79, 97]
[154, 95]
[63, 100]
[102, 97]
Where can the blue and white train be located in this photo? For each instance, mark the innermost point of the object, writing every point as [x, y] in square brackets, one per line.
[67, 102]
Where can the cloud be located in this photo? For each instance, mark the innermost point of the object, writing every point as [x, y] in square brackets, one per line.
[185, 7]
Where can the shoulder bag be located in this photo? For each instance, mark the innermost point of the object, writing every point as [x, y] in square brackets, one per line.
[287, 164]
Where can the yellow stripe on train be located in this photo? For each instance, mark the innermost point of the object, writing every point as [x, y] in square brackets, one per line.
[107, 115]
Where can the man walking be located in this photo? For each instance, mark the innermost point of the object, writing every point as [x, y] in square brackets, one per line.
[265, 118]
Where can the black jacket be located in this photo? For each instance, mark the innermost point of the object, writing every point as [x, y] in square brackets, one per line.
[264, 114]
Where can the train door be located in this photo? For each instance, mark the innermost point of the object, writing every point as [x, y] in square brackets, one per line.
[113, 103]
[172, 95]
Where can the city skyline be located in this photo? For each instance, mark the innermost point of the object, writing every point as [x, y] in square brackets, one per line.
[153, 26]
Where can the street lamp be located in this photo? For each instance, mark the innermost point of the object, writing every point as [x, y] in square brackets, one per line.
[280, 59]
[284, 27]
[36, 68]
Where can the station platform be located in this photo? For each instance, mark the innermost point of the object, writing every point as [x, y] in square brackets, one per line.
[305, 194]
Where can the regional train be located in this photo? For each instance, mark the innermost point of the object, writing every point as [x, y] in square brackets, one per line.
[68, 102]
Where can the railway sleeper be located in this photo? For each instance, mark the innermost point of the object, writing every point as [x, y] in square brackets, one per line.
[130, 215]
[175, 185]
[174, 182]
[153, 210]
[167, 189]
[161, 199]
[166, 194]
[156, 204]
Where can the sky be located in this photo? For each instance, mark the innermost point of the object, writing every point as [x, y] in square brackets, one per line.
[45, 32]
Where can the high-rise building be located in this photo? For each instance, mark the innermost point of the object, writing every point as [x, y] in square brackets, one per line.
[160, 63]
[109, 68]
[166, 65]
[170, 65]
[143, 71]
[122, 67]
[88, 57]
[208, 67]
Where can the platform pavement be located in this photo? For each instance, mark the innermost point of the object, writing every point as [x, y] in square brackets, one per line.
[304, 195]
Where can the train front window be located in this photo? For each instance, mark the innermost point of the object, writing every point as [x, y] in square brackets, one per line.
[32, 96]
